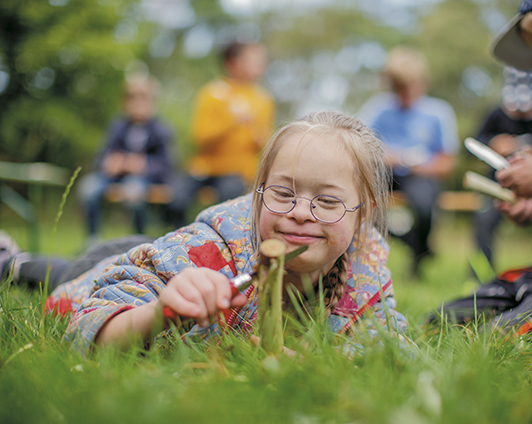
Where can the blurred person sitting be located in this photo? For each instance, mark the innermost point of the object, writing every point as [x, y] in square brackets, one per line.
[233, 119]
[507, 129]
[136, 154]
[421, 136]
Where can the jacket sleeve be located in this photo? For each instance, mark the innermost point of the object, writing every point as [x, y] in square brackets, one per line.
[138, 277]
[266, 120]
[490, 128]
[112, 140]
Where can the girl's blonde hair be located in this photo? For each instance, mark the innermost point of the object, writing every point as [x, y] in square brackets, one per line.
[370, 170]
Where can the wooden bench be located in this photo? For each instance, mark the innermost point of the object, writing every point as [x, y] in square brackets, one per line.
[35, 176]
[161, 194]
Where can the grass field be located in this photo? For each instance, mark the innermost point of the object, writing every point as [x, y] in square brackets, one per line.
[458, 375]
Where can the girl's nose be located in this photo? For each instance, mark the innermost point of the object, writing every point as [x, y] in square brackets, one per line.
[301, 211]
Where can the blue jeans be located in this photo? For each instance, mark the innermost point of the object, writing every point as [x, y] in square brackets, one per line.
[92, 188]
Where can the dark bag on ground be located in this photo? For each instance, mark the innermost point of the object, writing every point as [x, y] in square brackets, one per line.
[506, 302]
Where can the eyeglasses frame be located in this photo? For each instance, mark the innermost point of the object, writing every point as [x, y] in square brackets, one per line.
[261, 190]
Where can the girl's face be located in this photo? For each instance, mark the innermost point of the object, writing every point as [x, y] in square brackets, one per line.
[318, 166]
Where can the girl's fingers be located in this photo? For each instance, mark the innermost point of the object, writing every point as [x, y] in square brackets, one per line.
[181, 306]
[222, 288]
[202, 293]
[238, 301]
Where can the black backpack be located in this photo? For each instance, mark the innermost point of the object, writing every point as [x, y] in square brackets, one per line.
[506, 302]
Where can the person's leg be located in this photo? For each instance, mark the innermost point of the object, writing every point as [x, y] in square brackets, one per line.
[185, 188]
[101, 251]
[91, 189]
[229, 186]
[136, 189]
[421, 193]
[486, 222]
[33, 272]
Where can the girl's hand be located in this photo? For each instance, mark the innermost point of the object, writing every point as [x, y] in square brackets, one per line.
[199, 293]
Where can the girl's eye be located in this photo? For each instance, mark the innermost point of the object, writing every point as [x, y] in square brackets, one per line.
[328, 201]
[282, 193]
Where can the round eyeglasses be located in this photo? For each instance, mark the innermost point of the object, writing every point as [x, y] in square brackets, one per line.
[324, 208]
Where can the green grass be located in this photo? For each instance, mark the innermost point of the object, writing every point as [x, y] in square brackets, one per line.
[458, 375]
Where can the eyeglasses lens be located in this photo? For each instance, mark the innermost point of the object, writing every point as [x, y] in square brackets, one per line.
[324, 207]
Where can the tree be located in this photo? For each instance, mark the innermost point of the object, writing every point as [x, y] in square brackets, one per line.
[64, 63]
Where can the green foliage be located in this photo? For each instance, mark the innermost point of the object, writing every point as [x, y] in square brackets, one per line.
[66, 73]
[83, 48]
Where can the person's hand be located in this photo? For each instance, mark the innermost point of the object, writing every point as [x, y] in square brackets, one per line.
[392, 158]
[520, 212]
[112, 164]
[199, 293]
[503, 144]
[135, 164]
[518, 177]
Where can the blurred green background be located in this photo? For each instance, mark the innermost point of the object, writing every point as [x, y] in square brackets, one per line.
[62, 63]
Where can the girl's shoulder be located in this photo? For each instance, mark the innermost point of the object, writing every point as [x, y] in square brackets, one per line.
[220, 233]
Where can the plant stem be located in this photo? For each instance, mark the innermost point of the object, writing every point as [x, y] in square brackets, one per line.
[271, 273]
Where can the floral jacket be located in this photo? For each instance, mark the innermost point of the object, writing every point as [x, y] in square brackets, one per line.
[219, 239]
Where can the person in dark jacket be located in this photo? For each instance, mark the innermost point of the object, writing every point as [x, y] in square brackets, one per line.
[507, 130]
[136, 154]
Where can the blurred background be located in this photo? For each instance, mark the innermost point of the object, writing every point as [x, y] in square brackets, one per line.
[62, 62]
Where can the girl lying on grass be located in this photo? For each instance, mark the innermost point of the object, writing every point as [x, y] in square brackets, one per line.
[322, 182]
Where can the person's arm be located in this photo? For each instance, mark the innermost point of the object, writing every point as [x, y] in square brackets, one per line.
[138, 279]
[110, 157]
[197, 293]
[441, 166]
[266, 120]
[159, 151]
